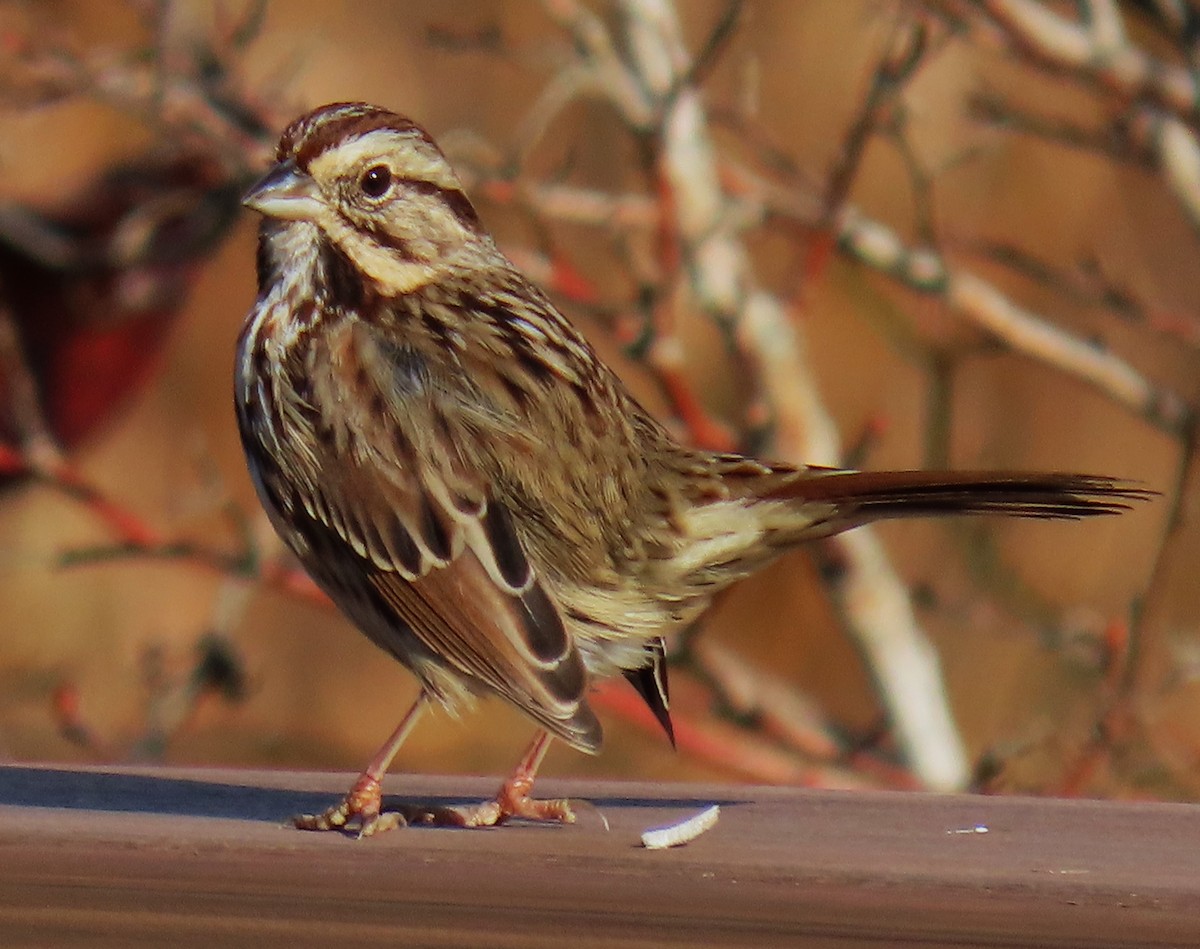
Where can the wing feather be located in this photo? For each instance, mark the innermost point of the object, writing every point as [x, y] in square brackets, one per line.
[436, 550]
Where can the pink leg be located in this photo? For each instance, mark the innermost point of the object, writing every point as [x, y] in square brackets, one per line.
[513, 800]
[364, 802]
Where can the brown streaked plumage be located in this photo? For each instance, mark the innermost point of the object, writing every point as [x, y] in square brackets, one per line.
[469, 483]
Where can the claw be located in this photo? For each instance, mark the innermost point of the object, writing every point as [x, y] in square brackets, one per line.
[513, 800]
[361, 810]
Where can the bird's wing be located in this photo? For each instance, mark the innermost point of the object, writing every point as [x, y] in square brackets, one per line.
[383, 483]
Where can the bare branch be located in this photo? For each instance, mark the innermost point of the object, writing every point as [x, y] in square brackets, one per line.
[1022, 331]
[724, 286]
[1095, 49]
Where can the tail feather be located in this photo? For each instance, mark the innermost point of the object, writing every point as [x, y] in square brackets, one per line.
[862, 496]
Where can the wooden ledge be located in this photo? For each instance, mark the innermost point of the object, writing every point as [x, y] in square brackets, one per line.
[183, 858]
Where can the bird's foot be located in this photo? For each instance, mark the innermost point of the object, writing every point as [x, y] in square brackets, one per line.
[360, 812]
[511, 801]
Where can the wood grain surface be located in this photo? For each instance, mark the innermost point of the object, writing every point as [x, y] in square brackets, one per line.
[179, 858]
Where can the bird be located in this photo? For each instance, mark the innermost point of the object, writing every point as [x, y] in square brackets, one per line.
[475, 489]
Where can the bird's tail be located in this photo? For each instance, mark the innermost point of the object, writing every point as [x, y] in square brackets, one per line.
[760, 509]
[858, 497]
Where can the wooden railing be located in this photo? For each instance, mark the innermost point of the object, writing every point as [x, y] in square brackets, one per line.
[183, 858]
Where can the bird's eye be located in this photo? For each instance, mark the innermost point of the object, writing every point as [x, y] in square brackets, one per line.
[375, 181]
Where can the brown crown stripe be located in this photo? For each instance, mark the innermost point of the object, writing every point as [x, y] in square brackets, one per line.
[306, 140]
[304, 127]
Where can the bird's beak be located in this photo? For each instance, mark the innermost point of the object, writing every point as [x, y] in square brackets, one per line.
[285, 192]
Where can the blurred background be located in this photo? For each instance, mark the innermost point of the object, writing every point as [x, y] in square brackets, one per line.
[881, 234]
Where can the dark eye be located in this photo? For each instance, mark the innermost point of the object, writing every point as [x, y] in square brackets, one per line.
[376, 181]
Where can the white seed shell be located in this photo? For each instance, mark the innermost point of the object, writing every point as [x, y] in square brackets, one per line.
[685, 831]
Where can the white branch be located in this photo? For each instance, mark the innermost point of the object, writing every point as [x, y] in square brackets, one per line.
[873, 598]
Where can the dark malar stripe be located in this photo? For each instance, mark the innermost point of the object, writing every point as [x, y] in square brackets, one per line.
[344, 284]
[268, 270]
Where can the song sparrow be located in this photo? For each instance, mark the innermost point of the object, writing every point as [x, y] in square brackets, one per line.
[473, 487]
